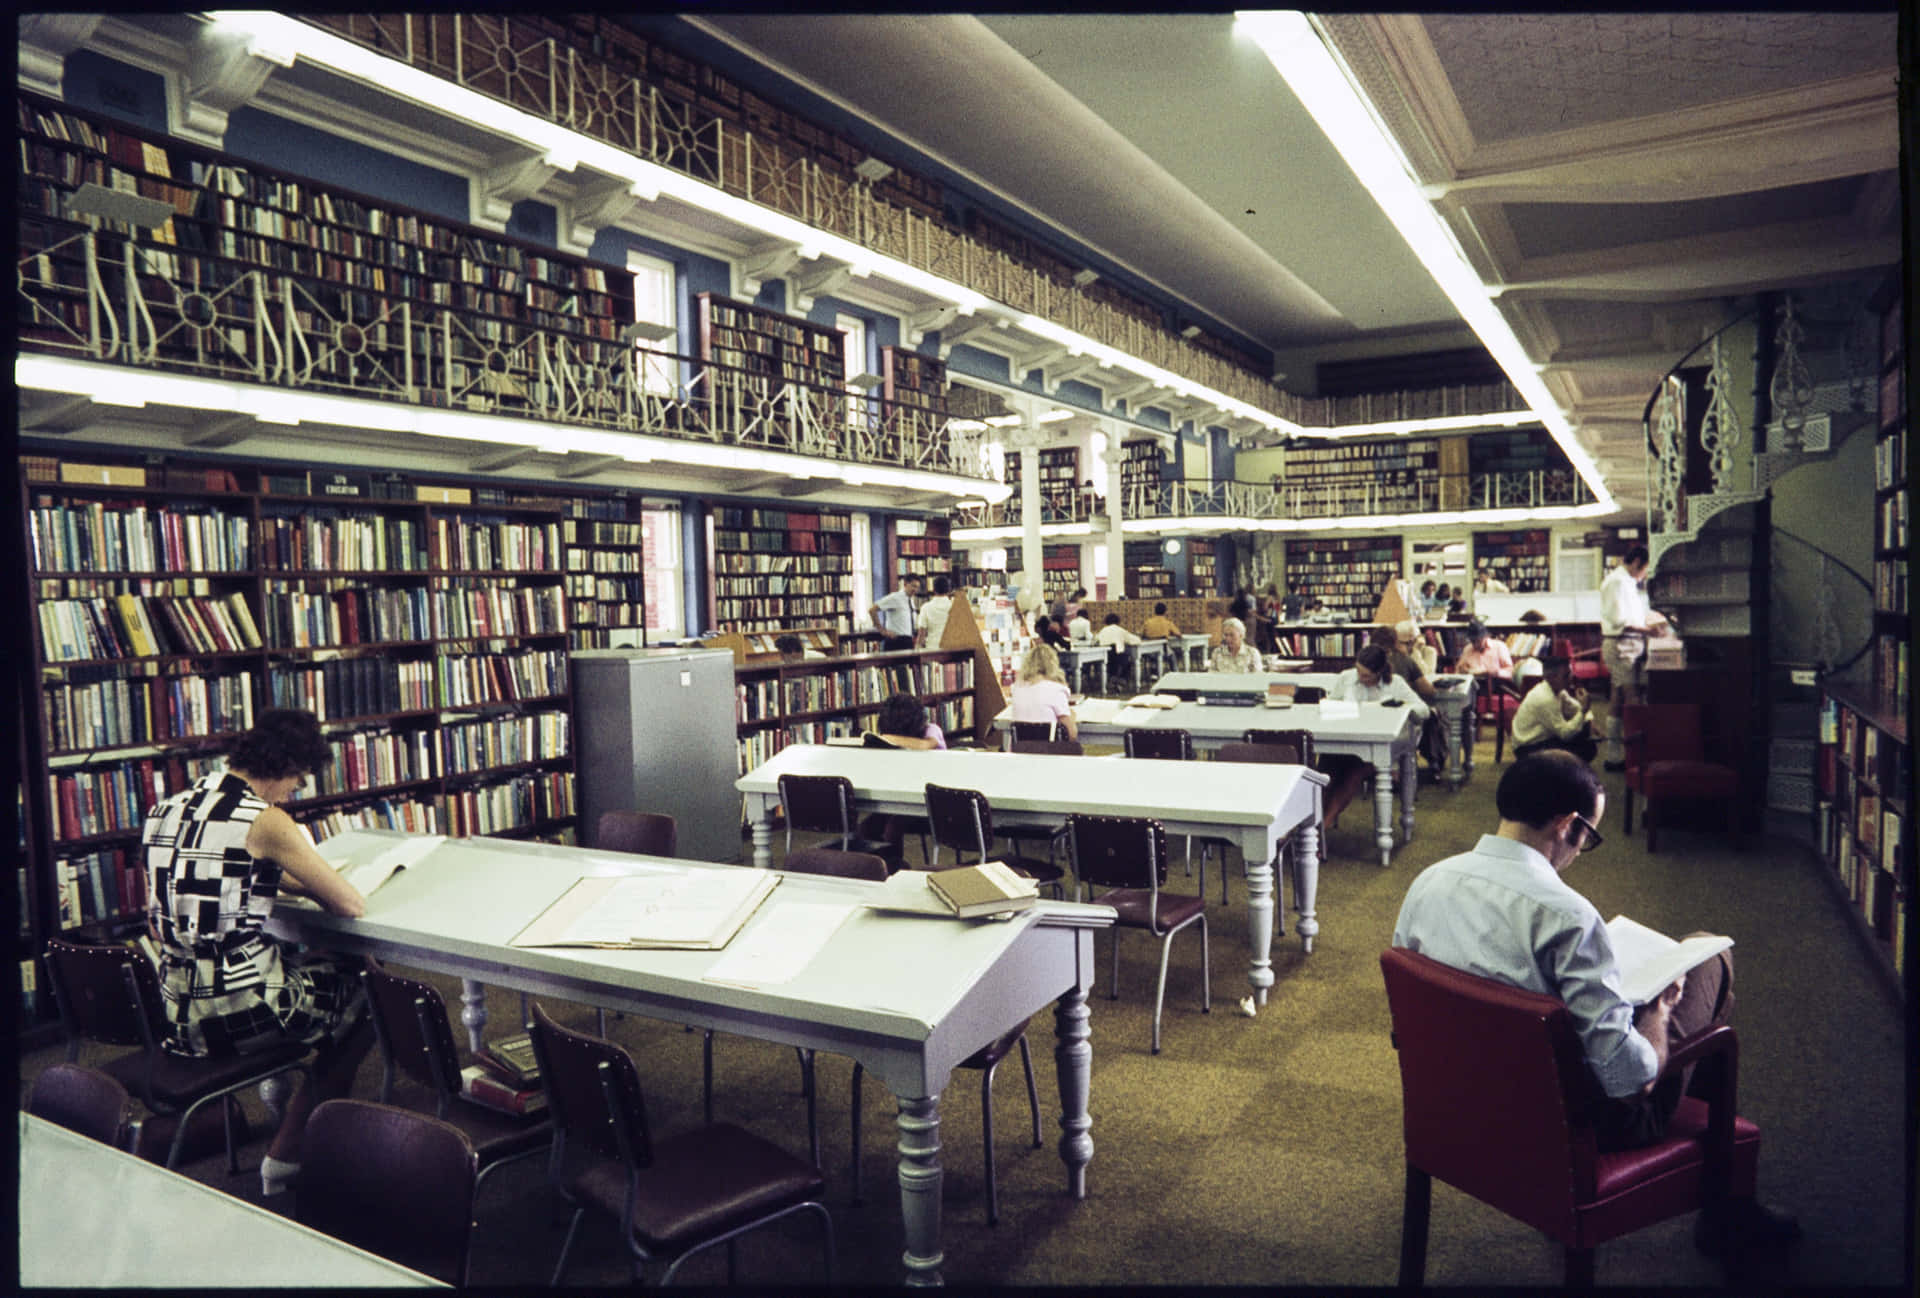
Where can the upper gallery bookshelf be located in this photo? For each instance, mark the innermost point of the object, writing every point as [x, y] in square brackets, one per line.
[769, 346]
[1385, 476]
[364, 266]
[1141, 476]
[913, 388]
[1059, 469]
[174, 602]
[780, 568]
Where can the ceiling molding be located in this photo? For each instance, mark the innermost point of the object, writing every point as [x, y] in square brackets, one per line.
[1394, 62]
[1715, 265]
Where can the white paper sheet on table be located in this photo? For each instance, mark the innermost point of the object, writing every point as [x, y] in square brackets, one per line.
[1338, 710]
[1098, 711]
[781, 945]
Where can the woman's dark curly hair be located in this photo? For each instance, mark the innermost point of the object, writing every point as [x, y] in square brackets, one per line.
[902, 714]
[282, 743]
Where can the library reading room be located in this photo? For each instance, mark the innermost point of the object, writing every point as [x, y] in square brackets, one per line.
[1387, 534]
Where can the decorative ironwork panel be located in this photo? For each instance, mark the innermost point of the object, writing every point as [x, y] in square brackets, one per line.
[500, 58]
[1720, 432]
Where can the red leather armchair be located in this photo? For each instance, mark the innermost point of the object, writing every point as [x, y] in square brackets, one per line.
[1496, 1100]
[1583, 665]
[1666, 758]
[1495, 700]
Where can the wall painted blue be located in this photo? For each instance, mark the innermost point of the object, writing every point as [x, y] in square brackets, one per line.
[693, 273]
[693, 565]
[350, 164]
[1222, 452]
[134, 95]
[534, 221]
[981, 365]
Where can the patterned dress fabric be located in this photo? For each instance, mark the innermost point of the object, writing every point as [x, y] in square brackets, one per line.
[227, 987]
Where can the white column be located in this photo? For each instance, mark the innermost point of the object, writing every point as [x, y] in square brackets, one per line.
[1029, 444]
[1116, 540]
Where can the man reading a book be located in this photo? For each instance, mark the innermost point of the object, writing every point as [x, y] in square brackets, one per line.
[1501, 911]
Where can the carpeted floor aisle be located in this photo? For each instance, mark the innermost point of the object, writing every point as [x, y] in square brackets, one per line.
[1266, 1151]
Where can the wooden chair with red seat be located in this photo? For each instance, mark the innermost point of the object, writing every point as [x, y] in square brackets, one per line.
[1497, 1101]
[1495, 700]
[1666, 759]
[1584, 666]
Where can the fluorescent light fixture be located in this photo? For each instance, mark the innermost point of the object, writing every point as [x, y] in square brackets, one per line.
[865, 381]
[128, 400]
[1015, 532]
[1055, 416]
[93, 199]
[1321, 82]
[872, 170]
[1190, 332]
[1002, 421]
[1437, 424]
[1084, 277]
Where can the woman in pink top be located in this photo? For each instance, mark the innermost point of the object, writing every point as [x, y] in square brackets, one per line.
[1040, 691]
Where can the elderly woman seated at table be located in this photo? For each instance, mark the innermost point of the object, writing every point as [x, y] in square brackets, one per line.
[1233, 653]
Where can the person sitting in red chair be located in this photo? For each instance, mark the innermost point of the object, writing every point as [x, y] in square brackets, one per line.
[1501, 911]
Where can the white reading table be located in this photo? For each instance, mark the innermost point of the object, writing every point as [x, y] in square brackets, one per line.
[1453, 703]
[907, 997]
[1192, 642]
[1075, 657]
[1386, 738]
[96, 1217]
[1253, 807]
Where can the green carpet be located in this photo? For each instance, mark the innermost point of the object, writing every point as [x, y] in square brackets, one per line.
[1266, 1151]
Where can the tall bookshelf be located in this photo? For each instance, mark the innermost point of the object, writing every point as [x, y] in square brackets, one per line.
[913, 385]
[1862, 804]
[357, 259]
[1203, 573]
[777, 704]
[1522, 559]
[1147, 576]
[779, 568]
[606, 552]
[174, 602]
[1061, 563]
[1892, 628]
[1390, 475]
[1346, 573]
[771, 345]
[923, 548]
[1060, 483]
[1142, 473]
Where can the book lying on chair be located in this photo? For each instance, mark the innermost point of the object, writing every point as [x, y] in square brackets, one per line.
[511, 1059]
[1649, 961]
[480, 1086]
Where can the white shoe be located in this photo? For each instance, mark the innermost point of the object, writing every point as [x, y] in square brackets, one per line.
[276, 1174]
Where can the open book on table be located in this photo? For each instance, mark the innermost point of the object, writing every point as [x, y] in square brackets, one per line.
[687, 907]
[1650, 961]
[369, 860]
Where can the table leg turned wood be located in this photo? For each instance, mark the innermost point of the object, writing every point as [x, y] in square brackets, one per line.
[1260, 904]
[1073, 1067]
[920, 1187]
[1304, 865]
[1383, 773]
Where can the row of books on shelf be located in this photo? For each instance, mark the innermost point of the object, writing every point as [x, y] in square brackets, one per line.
[1890, 669]
[850, 687]
[343, 688]
[302, 619]
[735, 563]
[114, 799]
[612, 586]
[582, 560]
[1860, 745]
[95, 887]
[764, 608]
[1366, 456]
[137, 626]
[523, 801]
[119, 711]
[923, 566]
[1892, 528]
[466, 680]
[825, 543]
[366, 543]
[106, 537]
[598, 532]
[777, 584]
[734, 315]
[505, 741]
[783, 520]
[1890, 585]
[1890, 460]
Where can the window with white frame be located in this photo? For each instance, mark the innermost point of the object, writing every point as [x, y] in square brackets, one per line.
[863, 592]
[855, 327]
[656, 301]
[661, 568]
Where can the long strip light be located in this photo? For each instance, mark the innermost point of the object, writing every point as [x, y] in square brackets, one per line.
[1435, 424]
[116, 385]
[1323, 85]
[1215, 523]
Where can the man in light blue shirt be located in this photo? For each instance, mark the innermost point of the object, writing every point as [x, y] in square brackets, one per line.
[1501, 911]
[895, 615]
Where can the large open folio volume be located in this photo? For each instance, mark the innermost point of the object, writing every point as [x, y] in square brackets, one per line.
[687, 908]
[1650, 961]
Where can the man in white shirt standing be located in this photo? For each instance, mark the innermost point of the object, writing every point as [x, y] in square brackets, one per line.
[933, 614]
[893, 616]
[1501, 911]
[1625, 622]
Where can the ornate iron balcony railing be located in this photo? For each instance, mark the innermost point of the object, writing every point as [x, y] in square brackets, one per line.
[102, 297]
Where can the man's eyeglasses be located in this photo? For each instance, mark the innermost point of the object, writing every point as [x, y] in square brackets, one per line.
[1594, 837]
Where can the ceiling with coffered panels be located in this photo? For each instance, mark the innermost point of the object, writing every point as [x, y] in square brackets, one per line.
[1621, 182]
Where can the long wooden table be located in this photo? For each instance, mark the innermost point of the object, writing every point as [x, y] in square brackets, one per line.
[909, 998]
[1386, 738]
[1254, 807]
[96, 1217]
[1453, 703]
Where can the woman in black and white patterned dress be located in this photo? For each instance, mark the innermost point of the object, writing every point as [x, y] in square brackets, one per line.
[217, 855]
